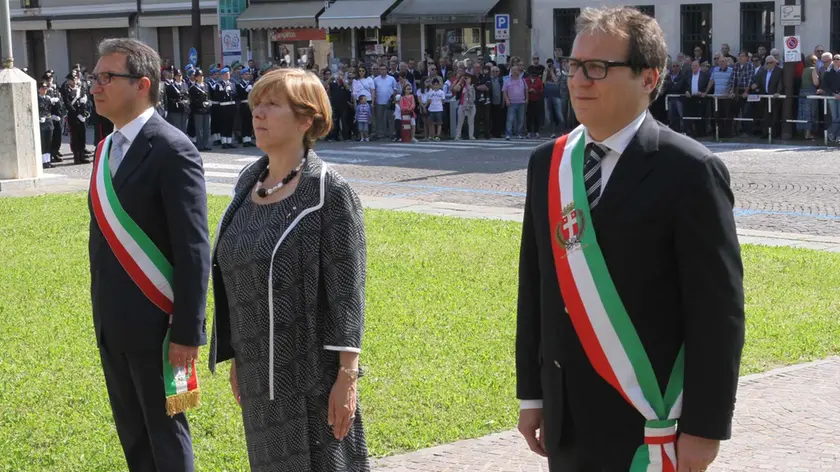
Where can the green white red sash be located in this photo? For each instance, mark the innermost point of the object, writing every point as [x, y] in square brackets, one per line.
[601, 322]
[147, 267]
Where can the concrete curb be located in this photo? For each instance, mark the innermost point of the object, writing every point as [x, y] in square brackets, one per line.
[745, 236]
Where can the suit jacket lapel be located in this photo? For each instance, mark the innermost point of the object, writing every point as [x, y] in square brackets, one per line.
[137, 152]
[632, 167]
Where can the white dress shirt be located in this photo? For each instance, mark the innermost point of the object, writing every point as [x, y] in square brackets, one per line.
[695, 83]
[616, 145]
[132, 129]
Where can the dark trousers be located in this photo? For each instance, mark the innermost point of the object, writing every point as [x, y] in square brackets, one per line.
[102, 128]
[769, 119]
[498, 118]
[342, 124]
[77, 135]
[55, 145]
[695, 107]
[482, 120]
[214, 119]
[724, 117]
[191, 126]
[151, 440]
[533, 113]
[247, 120]
[226, 116]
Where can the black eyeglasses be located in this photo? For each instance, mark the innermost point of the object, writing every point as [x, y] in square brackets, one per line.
[594, 69]
[104, 78]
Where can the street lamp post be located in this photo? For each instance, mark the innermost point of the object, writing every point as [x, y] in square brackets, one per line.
[6, 38]
[196, 28]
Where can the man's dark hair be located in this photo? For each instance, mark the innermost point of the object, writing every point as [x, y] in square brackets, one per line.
[140, 60]
[647, 41]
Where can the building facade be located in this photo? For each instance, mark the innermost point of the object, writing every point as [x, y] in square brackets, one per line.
[340, 30]
[56, 34]
[742, 25]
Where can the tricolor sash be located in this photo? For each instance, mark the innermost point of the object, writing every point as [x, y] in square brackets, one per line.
[598, 315]
[147, 267]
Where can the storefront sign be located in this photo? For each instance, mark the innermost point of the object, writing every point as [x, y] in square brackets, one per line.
[300, 34]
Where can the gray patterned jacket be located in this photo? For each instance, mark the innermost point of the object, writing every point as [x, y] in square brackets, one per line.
[330, 318]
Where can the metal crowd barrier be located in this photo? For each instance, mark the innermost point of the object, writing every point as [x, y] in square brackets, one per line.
[752, 98]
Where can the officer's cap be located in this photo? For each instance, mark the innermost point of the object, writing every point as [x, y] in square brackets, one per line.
[225, 70]
[43, 84]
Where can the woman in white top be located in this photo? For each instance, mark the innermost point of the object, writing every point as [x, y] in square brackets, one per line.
[363, 85]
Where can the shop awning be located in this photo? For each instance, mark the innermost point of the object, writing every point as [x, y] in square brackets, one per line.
[355, 14]
[442, 11]
[278, 15]
[90, 23]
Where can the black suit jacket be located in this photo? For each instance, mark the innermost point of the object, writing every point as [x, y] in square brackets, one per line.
[160, 184]
[676, 86]
[666, 229]
[702, 82]
[776, 81]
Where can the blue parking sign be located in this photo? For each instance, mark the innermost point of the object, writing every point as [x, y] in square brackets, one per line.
[502, 26]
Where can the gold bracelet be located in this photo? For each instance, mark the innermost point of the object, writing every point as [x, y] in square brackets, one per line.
[352, 373]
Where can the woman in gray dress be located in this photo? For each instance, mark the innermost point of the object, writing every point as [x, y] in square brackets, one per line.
[289, 287]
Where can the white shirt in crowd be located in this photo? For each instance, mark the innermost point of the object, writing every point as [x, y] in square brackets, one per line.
[695, 83]
[437, 97]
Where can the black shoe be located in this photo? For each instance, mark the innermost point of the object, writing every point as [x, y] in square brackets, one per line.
[217, 143]
[54, 158]
[47, 165]
[232, 146]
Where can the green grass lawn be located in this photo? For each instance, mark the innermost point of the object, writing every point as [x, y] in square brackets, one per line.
[438, 347]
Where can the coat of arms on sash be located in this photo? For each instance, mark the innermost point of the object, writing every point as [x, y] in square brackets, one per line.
[569, 230]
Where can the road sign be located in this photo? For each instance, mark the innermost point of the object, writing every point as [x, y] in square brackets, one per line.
[502, 26]
[193, 57]
[791, 15]
[793, 49]
[502, 51]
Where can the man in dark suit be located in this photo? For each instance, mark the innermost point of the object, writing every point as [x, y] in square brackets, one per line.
[769, 81]
[695, 106]
[655, 209]
[675, 84]
[159, 181]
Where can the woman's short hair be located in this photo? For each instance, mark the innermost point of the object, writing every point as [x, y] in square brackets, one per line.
[811, 61]
[305, 94]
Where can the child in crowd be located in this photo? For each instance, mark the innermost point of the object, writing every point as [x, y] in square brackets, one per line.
[434, 103]
[363, 118]
[408, 106]
[422, 112]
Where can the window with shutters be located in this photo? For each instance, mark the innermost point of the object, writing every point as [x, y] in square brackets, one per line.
[758, 25]
[648, 10]
[696, 28]
[564, 28]
[835, 25]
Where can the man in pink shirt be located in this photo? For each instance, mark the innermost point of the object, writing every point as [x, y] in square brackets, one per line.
[515, 99]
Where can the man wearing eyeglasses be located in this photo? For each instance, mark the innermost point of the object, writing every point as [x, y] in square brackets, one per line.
[156, 206]
[629, 266]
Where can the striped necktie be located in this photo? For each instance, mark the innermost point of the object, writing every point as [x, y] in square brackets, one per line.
[115, 154]
[592, 172]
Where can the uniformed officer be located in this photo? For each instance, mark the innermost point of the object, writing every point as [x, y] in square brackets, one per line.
[58, 114]
[75, 100]
[225, 94]
[45, 105]
[189, 80]
[177, 100]
[243, 89]
[214, 105]
[200, 110]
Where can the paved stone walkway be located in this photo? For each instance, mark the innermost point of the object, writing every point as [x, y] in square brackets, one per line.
[785, 420]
